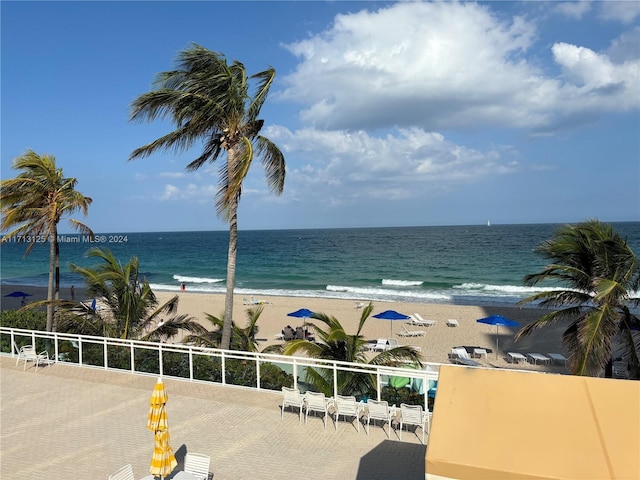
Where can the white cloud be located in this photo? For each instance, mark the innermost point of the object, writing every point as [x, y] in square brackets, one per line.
[171, 174]
[620, 11]
[625, 47]
[596, 83]
[447, 65]
[341, 167]
[191, 192]
[575, 10]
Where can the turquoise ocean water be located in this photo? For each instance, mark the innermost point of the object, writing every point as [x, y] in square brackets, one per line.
[479, 265]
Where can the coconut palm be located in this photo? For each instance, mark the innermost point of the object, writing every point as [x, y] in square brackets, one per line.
[212, 101]
[242, 338]
[599, 272]
[334, 343]
[127, 307]
[34, 203]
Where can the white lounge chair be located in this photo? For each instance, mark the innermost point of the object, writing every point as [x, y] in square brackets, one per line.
[515, 357]
[558, 357]
[291, 398]
[620, 369]
[316, 402]
[452, 322]
[379, 346]
[347, 406]
[460, 356]
[418, 320]
[411, 333]
[413, 415]
[124, 473]
[538, 357]
[378, 410]
[196, 466]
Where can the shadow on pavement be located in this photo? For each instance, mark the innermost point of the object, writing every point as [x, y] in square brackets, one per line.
[394, 460]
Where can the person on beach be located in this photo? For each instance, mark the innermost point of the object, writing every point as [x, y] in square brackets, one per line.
[73, 293]
[183, 287]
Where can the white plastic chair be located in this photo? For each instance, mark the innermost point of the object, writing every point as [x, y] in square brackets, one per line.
[125, 473]
[291, 397]
[196, 465]
[316, 402]
[28, 353]
[413, 415]
[347, 406]
[378, 410]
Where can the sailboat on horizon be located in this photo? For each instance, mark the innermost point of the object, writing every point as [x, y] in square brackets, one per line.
[488, 223]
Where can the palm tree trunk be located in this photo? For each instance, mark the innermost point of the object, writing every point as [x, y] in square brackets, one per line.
[225, 342]
[53, 238]
[56, 295]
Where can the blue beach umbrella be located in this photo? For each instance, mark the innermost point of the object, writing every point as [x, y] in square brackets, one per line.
[498, 321]
[391, 315]
[303, 313]
[18, 294]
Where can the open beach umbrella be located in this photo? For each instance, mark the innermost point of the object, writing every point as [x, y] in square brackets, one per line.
[163, 460]
[303, 313]
[391, 315]
[18, 294]
[498, 321]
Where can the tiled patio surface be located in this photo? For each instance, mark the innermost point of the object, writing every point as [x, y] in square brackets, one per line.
[66, 422]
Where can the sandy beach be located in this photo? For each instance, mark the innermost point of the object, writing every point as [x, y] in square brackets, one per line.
[435, 345]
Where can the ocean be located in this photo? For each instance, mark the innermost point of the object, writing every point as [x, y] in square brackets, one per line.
[465, 265]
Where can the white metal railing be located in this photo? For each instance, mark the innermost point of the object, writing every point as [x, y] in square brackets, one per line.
[62, 346]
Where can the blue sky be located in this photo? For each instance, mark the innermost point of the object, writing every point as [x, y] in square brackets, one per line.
[389, 114]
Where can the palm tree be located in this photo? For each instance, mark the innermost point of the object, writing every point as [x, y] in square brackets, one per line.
[600, 272]
[34, 202]
[334, 343]
[210, 101]
[243, 339]
[128, 306]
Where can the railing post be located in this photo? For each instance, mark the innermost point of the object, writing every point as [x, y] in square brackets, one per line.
[79, 350]
[335, 380]
[295, 373]
[258, 371]
[133, 357]
[160, 366]
[224, 369]
[106, 357]
[55, 346]
[190, 363]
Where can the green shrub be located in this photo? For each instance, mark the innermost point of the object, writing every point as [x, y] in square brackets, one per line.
[28, 319]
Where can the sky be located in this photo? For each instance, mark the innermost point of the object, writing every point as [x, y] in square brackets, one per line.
[388, 114]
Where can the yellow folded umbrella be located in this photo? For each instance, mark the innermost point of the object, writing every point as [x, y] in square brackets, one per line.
[163, 460]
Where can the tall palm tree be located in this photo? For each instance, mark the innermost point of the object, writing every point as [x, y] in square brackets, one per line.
[334, 343]
[34, 202]
[128, 306]
[212, 102]
[600, 272]
[243, 338]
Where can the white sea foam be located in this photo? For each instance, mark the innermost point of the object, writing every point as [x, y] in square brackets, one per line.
[182, 278]
[401, 283]
[523, 291]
